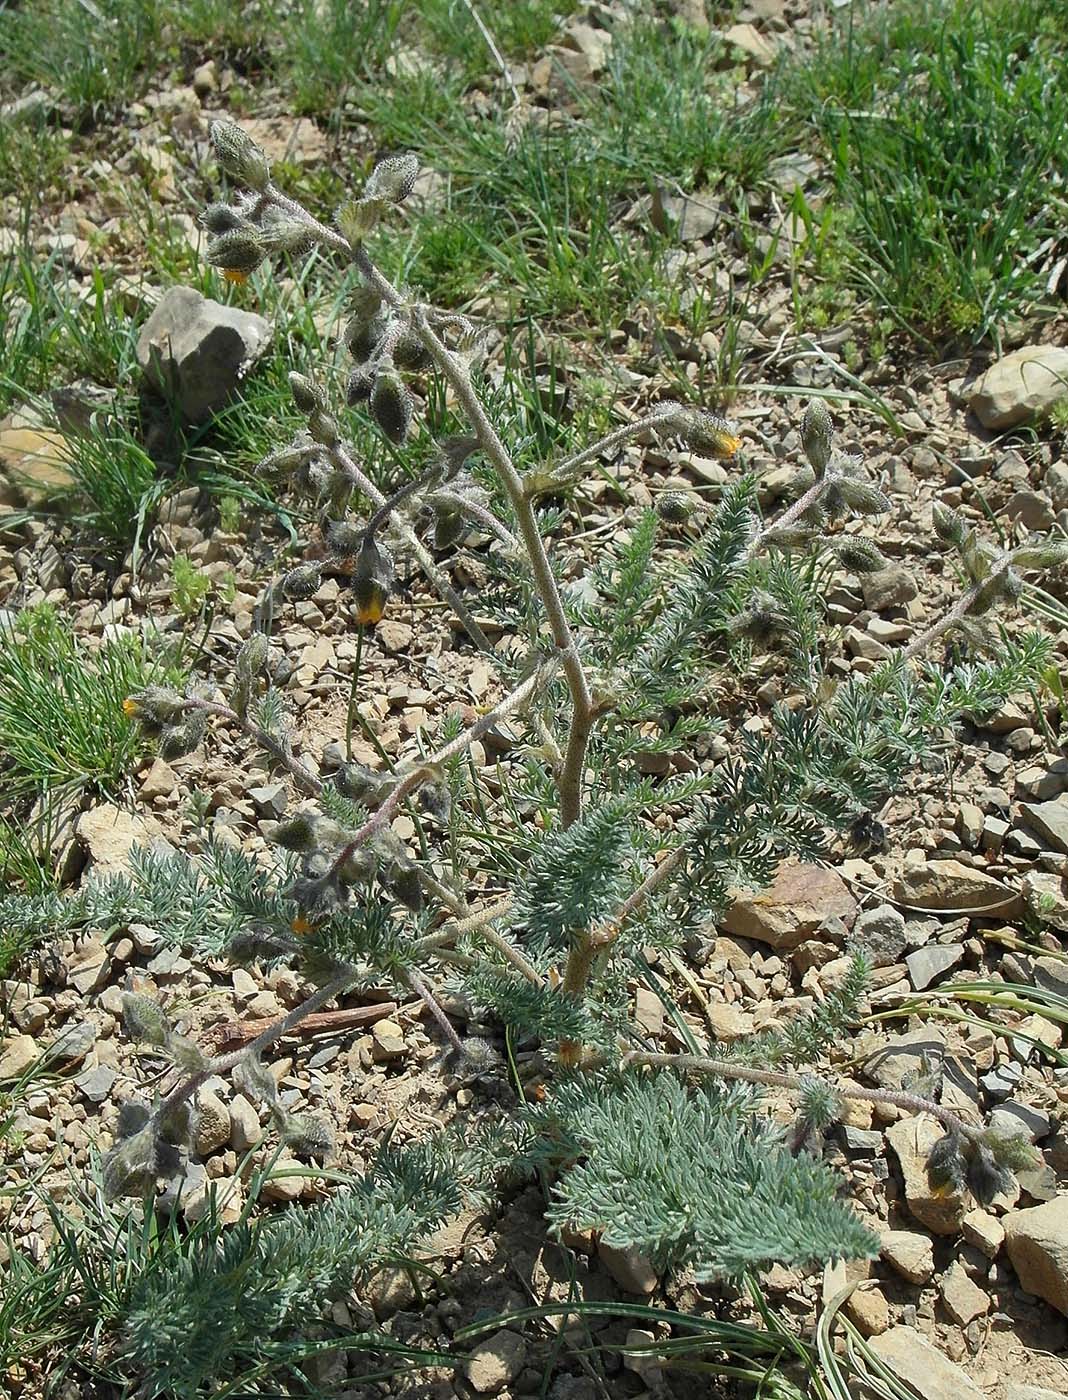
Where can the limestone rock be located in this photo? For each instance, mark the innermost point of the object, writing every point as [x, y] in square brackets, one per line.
[912, 1140]
[212, 1124]
[110, 834]
[1020, 386]
[932, 1375]
[245, 1129]
[196, 352]
[18, 1054]
[387, 1042]
[984, 1232]
[950, 884]
[496, 1362]
[1050, 821]
[963, 1299]
[880, 935]
[1037, 1244]
[298, 142]
[159, 781]
[904, 1057]
[909, 1254]
[755, 45]
[630, 1268]
[33, 464]
[891, 587]
[799, 901]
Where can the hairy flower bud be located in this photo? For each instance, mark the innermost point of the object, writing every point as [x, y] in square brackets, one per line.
[817, 433]
[409, 352]
[358, 388]
[401, 878]
[309, 1135]
[436, 801]
[704, 431]
[307, 396]
[674, 508]
[253, 1079]
[859, 556]
[356, 218]
[945, 1165]
[359, 783]
[296, 834]
[1050, 554]
[222, 218]
[252, 656]
[323, 428]
[238, 155]
[391, 406]
[392, 180]
[144, 1019]
[947, 524]
[862, 496]
[178, 740]
[303, 581]
[987, 1178]
[241, 251]
[363, 337]
[153, 706]
[449, 525]
[372, 579]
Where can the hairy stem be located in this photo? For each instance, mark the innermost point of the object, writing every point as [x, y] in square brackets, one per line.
[726, 1069]
[956, 613]
[223, 1063]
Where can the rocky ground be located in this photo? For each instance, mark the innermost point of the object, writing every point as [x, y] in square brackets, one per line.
[970, 886]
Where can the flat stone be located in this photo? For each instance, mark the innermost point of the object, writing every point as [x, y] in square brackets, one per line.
[196, 352]
[800, 900]
[96, 1084]
[1020, 386]
[983, 1232]
[1037, 1243]
[73, 1042]
[891, 587]
[387, 1042]
[944, 885]
[909, 1254]
[19, 1053]
[963, 1299]
[927, 965]
[109, 834]
[1049, 820]
[495, 1362]
[294, 141]
[630, 1268]
[880, 935]
[245, 1129]
[904, 1057]
[212, 1131]
[160, 781]
[930, 1373]
[33, 464]
[912, 1140]
[752, 43]
[88, 966]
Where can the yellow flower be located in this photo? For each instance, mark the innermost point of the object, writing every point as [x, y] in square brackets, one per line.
[233, 274]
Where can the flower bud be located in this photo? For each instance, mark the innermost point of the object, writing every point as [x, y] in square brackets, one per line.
[391, 406]
[144, 1019]
[309, 1135]
[372, 579]
[947, 524]
[323, 428]
[178, 740]
[1050, 554]
[409, 352]
[363, 335]
[302, 582]
[817, 432]
[307, 396]
[343, 538]
[401, 878]
[357, 218]
[253, 1079]
[674, 508]
[155, 705]
[222, 218]
[358, 388]
[252, 656]
[705, 432]
[239, 252]
[449, 525]
[297, 834]
[359, 783]
[238, 155]
[392, 180]
[859, 556]
[862, 496]
[945, 1165]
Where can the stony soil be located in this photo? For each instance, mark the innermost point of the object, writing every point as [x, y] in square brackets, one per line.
[970, 884]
